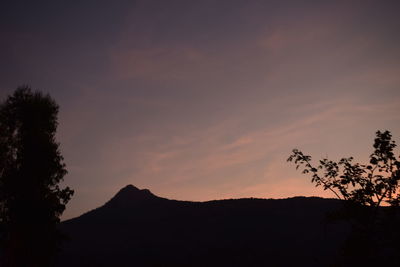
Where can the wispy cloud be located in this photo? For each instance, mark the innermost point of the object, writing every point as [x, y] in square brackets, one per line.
[206, 99]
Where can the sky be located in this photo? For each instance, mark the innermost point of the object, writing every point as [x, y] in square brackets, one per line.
[203, 100]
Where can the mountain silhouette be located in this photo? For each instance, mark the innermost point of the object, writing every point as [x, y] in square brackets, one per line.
[131, 195]
[138, 228]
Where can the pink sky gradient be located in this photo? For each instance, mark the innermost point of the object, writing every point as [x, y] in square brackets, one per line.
[205, 100]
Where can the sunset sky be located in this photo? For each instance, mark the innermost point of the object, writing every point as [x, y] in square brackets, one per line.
[201, 100]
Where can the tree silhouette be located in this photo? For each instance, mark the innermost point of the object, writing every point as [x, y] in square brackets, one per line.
[369, 185]
[31, 168]
[372, 198]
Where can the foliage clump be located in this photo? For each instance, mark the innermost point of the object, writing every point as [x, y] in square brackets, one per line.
[31, 168]
[370, 184]
[371, 198]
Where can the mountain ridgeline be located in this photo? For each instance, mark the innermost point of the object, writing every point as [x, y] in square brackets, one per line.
[138, 228]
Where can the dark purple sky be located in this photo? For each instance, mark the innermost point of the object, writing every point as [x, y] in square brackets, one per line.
[202, 100]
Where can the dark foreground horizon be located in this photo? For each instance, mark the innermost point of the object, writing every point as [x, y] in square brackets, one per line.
[137, 228]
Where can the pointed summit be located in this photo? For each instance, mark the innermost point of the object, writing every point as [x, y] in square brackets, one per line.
[129, 188]
[130, 195]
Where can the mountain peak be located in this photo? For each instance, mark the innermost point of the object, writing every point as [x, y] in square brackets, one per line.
[131, 194]
[129, 188]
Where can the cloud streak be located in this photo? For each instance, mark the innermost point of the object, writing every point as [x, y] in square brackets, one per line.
[206, 100]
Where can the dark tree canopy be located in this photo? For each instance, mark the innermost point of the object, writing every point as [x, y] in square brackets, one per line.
[371, 194]
[31, 168]
[370, 184]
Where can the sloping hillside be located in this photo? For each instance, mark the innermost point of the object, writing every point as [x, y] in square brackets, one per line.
[137, 228]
